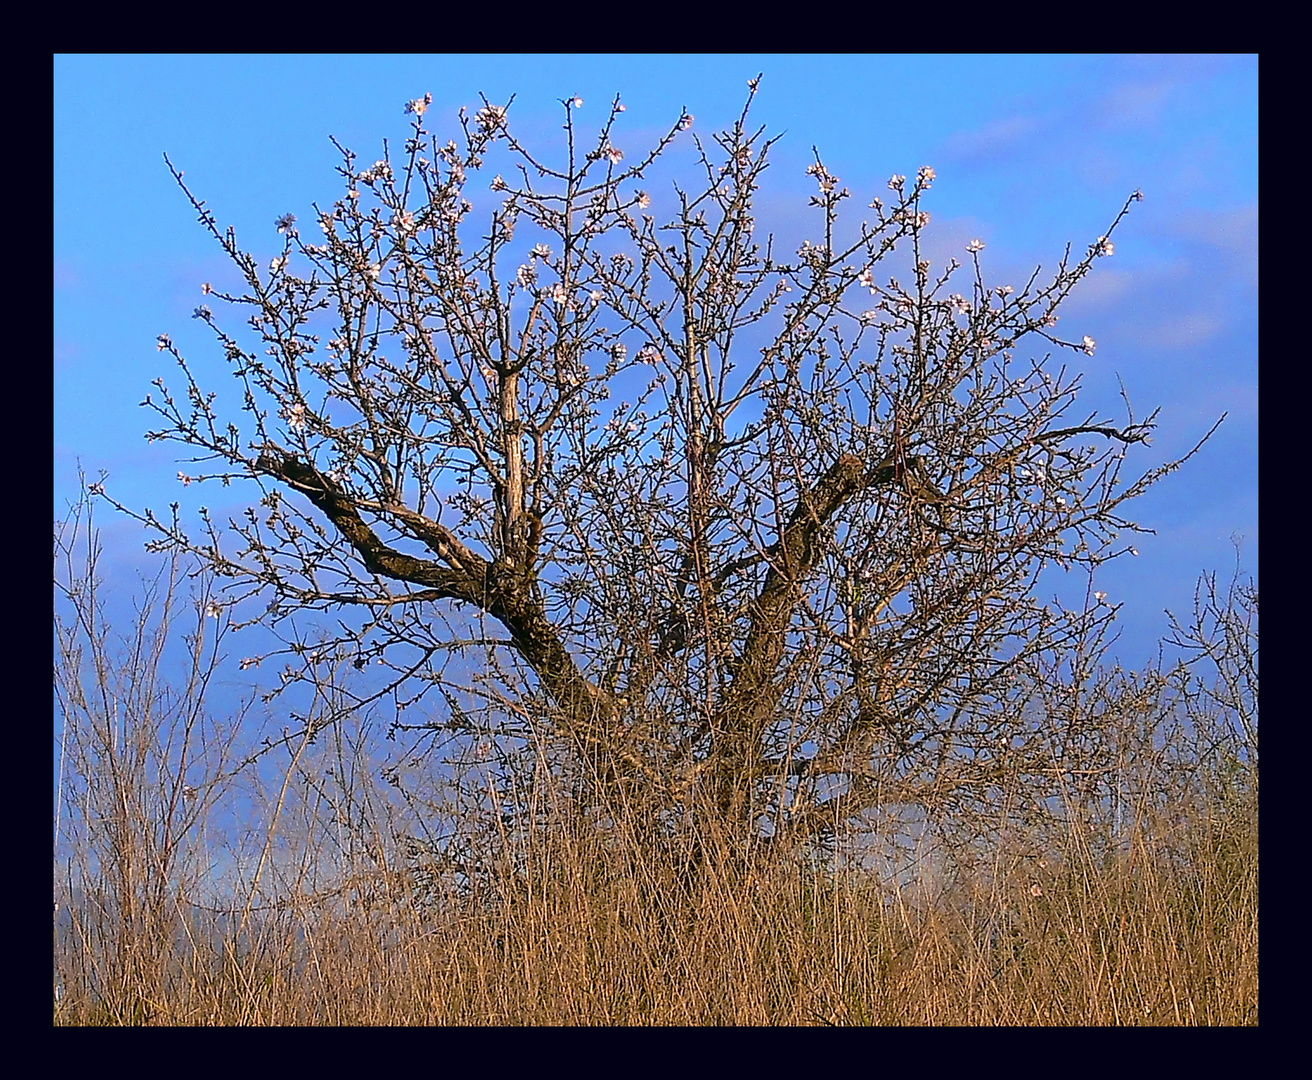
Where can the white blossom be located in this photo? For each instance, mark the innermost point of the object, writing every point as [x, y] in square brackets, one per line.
[491, 117]
[420, 105]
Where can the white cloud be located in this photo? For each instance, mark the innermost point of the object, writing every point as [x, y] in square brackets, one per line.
[994, 139]
[1183, 331]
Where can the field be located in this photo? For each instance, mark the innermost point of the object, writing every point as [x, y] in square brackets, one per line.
[195, 885]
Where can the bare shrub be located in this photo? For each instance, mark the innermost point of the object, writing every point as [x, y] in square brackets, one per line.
[674, 651]
[786, 582]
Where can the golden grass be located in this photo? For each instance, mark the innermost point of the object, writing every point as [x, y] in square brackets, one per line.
[588, 934]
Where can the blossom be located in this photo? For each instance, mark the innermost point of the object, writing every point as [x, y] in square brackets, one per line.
[867, 278]
[277, 264]
[541, 251]
[526, 274]
[296, 416]
[165, 342]
[960, 303]
[896, 181]
[1100, 596]
[420, 105]
[621, 107]
[926, 175]
[558, 293]
[578, 102]
[1051, 320]
[1137, 196]
[206, 288]
[213, 610]
[404, 221]
[685, 121]
[615, 154]
[619, 350]
[1105, 246]
[202, 312]
[1134, 551]
[1004, 290]
[498, 184]
[1089, 344]
[644, 200]
[975, 245]
[185, 479]
[594, 296]
[649, 354]
[491, 117]
[922, 219]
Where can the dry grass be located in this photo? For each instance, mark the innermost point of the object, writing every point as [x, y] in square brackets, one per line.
[565, 922]
[586, 935]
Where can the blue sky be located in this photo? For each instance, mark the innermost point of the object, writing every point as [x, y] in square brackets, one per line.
[1032, 152]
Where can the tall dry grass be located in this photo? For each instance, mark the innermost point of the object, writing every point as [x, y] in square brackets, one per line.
[192, 888]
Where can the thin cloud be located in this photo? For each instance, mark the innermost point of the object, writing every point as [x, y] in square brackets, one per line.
[66, 276]
[995, 140]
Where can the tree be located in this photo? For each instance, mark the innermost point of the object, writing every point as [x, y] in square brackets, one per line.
[786, 581]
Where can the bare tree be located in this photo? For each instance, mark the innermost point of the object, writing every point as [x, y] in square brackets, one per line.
[787, 580]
